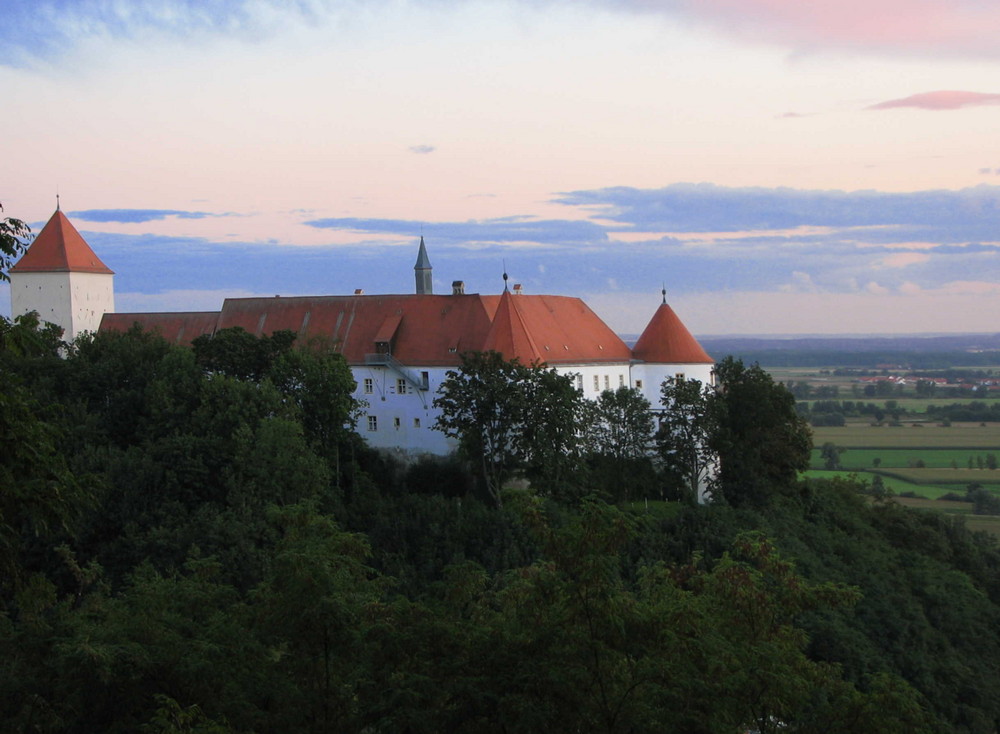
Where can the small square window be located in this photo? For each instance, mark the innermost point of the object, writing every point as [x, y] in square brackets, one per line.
[638, 384]
[679, 377]
[416, 423]
[369, 386]
[373, 423]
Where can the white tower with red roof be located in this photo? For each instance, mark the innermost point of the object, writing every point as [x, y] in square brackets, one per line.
[667, 350]
[63, 280]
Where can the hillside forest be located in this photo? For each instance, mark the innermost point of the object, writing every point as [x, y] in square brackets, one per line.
[197, 540]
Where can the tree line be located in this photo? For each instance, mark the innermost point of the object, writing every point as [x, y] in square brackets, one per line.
[735, 442]
[196, 540]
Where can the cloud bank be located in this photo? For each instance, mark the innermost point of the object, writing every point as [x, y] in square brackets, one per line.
[929, 28]
[134, 216]
[943, 100]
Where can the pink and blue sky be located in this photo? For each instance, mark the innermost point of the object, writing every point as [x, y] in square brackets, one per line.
[779, 166]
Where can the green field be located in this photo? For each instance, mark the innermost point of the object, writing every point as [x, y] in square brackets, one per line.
[864, 459]
[927, 436]
[896, 484]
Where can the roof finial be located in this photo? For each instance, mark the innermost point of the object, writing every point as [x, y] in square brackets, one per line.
[663, 292]
[505, 275]
[57, 198]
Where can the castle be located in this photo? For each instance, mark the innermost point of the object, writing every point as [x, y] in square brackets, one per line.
[399, 347]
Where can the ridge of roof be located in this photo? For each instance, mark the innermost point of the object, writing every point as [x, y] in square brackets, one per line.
[509, 334]
[59, 248]
[666, 340]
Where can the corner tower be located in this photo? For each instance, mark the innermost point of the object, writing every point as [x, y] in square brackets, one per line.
[666, 349]
[422, 271]
[62, 279]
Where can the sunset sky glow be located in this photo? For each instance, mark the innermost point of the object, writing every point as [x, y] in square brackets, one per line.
[779, 167]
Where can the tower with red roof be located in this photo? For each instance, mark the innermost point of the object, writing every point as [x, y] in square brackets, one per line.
[63, 280]
[667, 350]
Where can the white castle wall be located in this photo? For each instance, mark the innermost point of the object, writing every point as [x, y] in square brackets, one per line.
[74, 301]
[399, 416]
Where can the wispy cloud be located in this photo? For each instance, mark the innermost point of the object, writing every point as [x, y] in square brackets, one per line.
[966, 28]
[941, 100]
[46, 28]
[422, 149]
[133, 216]
[551, 233]
[970, 214]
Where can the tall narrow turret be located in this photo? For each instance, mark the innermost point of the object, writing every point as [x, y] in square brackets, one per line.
[422, 271]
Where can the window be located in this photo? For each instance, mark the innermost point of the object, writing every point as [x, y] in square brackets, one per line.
[607, 382]
[597, 383]
[425, 380]
[401, 386]
[395, 422]
[416, 423]
[369, 386]
[638, 384]
[621, 380]
[373, 423]
[679, 377]
[579, 383]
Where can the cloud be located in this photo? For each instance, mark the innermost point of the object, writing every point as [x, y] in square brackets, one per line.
[552, 233]
[687, 207]
[133, 216]
[422, 149]
[876, 289]
[48, 28]
[903, 259]
[930, 28]
[942, 100]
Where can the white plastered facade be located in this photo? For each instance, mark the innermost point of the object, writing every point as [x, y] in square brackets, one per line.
[73, 300]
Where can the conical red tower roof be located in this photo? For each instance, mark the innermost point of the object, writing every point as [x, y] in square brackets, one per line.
[509, 334]
[667, 341]
[59, 248]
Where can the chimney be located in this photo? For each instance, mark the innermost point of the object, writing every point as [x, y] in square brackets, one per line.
[517, 289]
[359, 291]
[458, 288]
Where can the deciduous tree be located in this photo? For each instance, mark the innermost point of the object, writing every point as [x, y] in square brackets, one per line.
[683, 441]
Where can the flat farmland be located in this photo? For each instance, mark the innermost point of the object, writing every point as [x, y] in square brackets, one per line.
[958, 477]
[932, 458]
[973, 436]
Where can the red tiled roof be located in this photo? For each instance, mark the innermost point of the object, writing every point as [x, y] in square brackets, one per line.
[59, 248]
[176, 328]
[432, 330]
[425, 330]
[667, 341]
[554, 330]
[509, 334]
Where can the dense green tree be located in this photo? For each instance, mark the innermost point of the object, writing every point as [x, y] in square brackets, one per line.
[619, 444]
[761, 442]
[313, 607]
[509, 417]
[14, 237]
[238, 353]
[830, 454]
[622, 424]
[683, 441]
